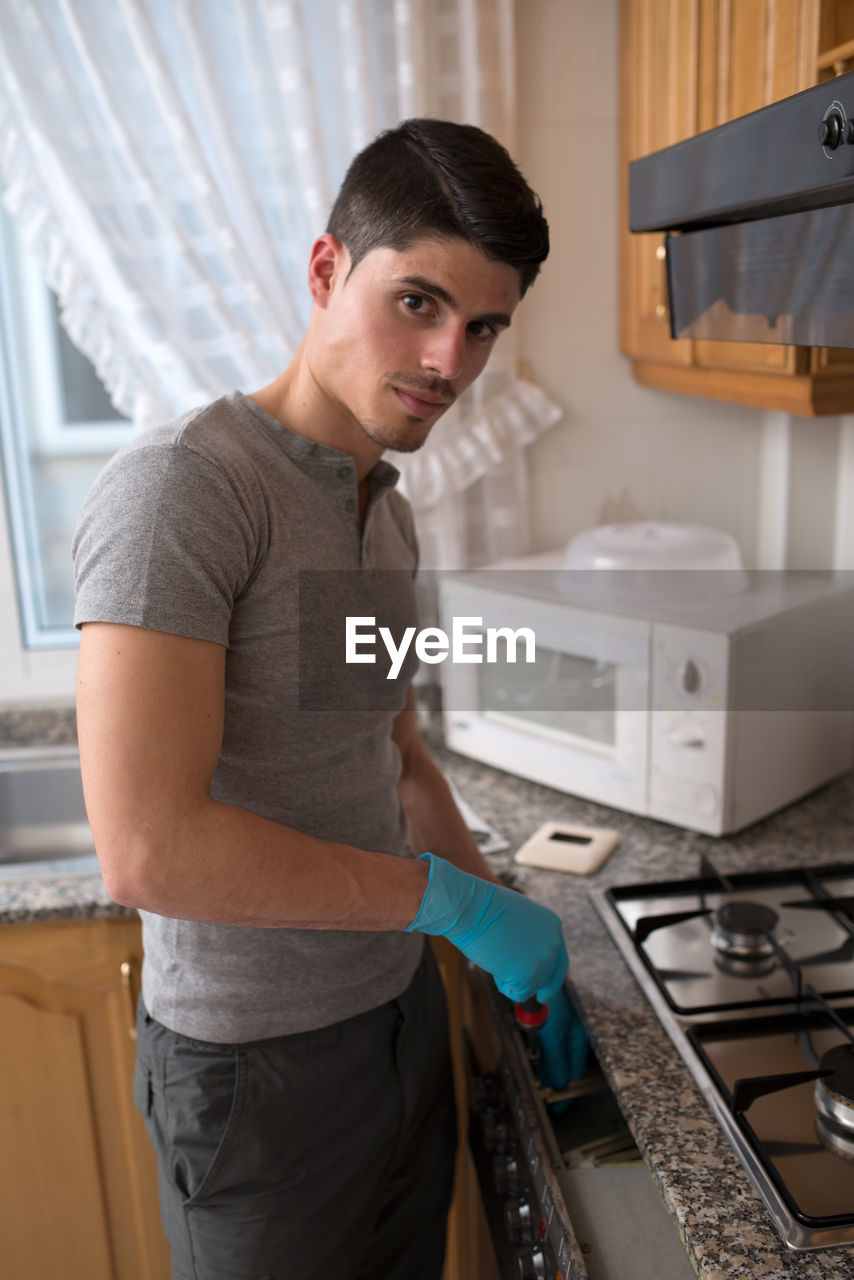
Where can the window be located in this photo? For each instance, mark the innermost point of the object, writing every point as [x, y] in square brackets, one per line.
[57, 429]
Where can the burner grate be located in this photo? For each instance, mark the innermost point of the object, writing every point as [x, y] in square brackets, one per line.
[752, 976]
[775, 1116]
[720, 943]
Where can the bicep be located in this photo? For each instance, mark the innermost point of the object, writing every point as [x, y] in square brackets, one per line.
[150, 716]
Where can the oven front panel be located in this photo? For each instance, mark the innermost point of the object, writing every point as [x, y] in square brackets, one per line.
[554, 1185]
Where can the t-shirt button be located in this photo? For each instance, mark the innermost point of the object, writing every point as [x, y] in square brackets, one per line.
[350, 504]
[343, 473]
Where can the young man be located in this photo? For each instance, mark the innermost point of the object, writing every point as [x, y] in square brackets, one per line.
[292, 1068]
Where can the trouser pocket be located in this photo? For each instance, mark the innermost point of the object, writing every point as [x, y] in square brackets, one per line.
[199, 1106]
[143, 1091]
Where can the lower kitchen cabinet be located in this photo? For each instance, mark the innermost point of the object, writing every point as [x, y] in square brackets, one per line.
[78, 1185]
[78, 1182]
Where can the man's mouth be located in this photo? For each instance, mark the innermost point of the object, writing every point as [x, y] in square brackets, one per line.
[420, 406]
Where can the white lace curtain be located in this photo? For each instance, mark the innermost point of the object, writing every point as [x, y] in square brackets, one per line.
[170, 163]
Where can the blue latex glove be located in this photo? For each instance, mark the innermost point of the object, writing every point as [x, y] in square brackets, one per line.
[562, 1042]
[516, 940]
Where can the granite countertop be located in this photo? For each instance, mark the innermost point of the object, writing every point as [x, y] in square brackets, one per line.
[723, 1223]
[60, 896]
[50, 894]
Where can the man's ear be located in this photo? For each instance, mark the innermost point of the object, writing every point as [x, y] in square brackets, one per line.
[329, 260]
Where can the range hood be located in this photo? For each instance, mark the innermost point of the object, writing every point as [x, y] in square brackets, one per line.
[759, 215]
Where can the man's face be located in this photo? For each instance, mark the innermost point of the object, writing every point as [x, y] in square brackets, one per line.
[407, 332]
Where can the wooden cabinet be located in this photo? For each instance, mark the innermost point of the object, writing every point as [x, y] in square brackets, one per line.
[686, 66]
[78, 1185]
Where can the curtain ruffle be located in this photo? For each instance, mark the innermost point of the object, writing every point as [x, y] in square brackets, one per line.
[508, 422]
[87, 322]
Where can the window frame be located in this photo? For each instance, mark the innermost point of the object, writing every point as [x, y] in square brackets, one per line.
[31, 393]
[55, 435]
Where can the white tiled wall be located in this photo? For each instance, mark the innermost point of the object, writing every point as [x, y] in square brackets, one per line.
[621, 451]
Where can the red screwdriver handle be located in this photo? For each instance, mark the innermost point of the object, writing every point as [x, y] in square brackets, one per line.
[531, 1014]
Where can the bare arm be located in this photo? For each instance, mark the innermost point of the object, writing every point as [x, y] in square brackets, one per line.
[150, 720]
[435, 822]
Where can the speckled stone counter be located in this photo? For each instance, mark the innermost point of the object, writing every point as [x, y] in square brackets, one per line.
[54, 726]
[59, 897]
[724, 1226]
[49, 897]
[723, 1223]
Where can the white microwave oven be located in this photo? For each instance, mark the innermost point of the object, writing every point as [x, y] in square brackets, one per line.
[706, 699]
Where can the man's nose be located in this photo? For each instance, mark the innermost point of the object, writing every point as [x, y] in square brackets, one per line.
[445, 352]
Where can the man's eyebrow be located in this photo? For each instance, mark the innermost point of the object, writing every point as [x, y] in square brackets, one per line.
[423, 285]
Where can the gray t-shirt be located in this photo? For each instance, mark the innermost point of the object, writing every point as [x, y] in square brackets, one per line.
[225, 526]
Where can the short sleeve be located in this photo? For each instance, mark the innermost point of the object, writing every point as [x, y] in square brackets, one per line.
[163, 542]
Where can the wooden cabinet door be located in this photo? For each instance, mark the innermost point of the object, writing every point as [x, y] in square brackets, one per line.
[659, 64]
[52, 1193]
[78, 1192]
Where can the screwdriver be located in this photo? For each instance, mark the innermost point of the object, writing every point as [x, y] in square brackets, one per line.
[530, 1017]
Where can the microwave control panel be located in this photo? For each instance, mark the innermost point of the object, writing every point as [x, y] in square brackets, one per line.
[688, 729]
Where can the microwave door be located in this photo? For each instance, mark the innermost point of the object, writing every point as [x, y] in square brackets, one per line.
[562, 695]
[573, 718]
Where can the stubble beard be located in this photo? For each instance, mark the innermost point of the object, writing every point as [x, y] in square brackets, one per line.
[402, 441]
[414, 434]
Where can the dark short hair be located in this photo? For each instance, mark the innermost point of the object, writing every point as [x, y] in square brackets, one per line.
[437, 178]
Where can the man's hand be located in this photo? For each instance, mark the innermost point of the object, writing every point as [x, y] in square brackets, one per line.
[516, 940]
[563, 1047]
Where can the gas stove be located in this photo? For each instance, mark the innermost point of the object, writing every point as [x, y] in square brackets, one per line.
[752, 977]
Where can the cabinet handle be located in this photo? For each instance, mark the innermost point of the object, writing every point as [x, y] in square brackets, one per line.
[126, 969]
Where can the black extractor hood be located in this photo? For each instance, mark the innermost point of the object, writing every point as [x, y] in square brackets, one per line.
[760, 220]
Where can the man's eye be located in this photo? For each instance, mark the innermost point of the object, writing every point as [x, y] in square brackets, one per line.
[480, 329]
[415, 302]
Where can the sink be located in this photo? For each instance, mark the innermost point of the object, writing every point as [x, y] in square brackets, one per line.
[43, 826]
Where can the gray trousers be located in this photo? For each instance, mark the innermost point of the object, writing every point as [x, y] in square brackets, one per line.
[326, 1153]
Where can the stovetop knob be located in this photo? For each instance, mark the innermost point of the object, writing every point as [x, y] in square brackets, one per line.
[486, 1093]
[505, 1174]
[517, 1219]
[531, 1266]
[495, 1132]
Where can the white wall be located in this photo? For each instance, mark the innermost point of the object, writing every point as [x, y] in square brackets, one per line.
[622, 451]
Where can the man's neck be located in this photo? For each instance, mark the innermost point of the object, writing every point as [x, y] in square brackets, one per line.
[296, 400]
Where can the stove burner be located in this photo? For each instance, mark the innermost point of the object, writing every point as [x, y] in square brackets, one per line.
[834, 1101]
[742, 933]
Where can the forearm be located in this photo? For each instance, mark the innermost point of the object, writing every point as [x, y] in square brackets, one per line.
[435, 822]
[223, 864]
[150, 712]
